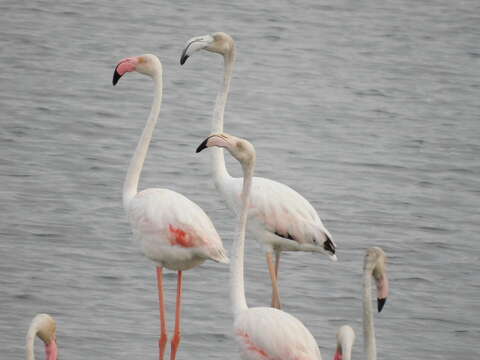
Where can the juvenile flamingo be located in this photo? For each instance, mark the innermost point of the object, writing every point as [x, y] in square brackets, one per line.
[173, 231]
[43, 326]
[262, 333]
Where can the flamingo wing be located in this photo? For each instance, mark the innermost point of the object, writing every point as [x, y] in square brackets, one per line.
[172, 220]
[279, 210]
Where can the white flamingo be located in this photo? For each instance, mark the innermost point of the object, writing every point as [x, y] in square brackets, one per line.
[173, 231]
[374, 266]
[43, 326]
[262, 333]
[280, 218]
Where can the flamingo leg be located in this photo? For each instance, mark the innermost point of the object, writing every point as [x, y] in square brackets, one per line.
[275, 289]
[177, 333]
[162, 342]
[277, 262]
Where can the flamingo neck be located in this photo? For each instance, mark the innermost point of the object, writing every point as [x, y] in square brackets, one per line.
[32, 332]
[368, 328]
[237, 281]
[219, 171]
[130, 186]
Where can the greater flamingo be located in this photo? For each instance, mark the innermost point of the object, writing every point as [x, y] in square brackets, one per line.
[281, 218]
[173, 231]
[374, 265]
[43, 326]
[261, 332]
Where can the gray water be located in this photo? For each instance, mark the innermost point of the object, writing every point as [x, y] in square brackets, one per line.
[369, 109]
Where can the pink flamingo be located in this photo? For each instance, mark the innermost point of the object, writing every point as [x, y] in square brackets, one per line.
[173, 231]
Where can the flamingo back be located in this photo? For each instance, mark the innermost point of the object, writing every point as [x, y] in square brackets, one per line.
[264, 333]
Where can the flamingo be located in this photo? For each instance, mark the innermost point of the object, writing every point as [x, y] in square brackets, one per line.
[173, 231]
[374, 265]
[281, 218]
[43, 326]
[262, 333]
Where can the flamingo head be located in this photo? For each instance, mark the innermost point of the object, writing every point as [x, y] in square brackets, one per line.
[45, 328]
[375, 263]
[345, 341]
[147, 64]
[241, 149]
[219, 42]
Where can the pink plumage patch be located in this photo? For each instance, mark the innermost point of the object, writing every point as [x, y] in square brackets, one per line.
[180, 237]
[251, 346]
[338, 356]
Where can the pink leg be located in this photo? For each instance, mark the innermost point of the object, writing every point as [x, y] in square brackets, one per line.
[162, 342]
[177, 334]
[275, 290]
[277, 262]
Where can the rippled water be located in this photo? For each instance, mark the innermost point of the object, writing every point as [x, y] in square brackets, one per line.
[371, 110]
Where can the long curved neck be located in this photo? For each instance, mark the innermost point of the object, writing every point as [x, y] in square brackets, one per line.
[237, 281]
[130, 186]
[32, 332]
[368, 328]
[218, 161]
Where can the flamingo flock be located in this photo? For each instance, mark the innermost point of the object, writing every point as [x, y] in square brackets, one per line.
[176, 234]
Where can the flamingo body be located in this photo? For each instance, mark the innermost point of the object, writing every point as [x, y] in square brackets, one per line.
[173, 231]
[278, 215]
[264, 333]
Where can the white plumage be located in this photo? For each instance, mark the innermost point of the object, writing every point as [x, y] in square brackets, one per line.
[266, 333]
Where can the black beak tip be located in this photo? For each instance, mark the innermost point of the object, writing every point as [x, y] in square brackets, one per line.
[329, 246]
[183, 59]
[116, 77]
[381, 303]
[202, 146]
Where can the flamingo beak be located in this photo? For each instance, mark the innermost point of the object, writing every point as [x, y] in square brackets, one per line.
[381, 303]
[184, 56]
[124, 66]
[382, 290]
[203, 145]
[194, 44]
[51, 350]
[116, 76]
